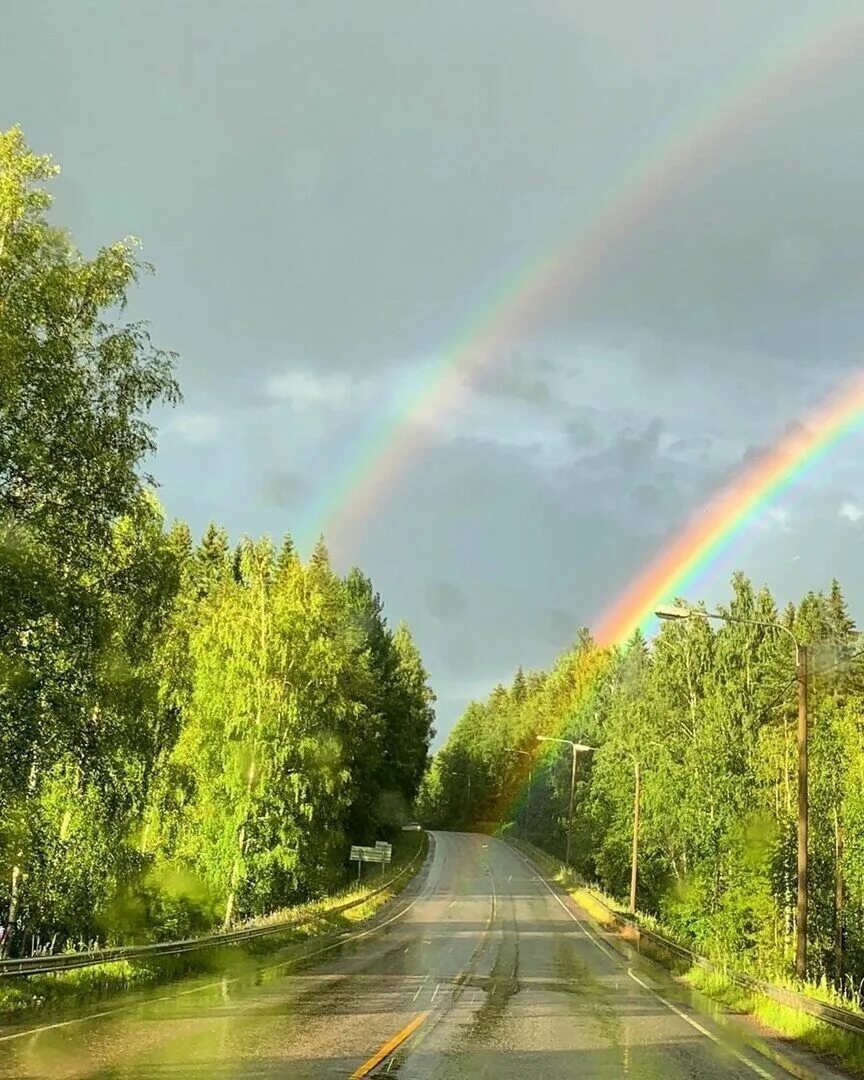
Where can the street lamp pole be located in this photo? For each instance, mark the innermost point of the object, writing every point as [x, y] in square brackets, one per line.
[635, 857]
[679, 612]
[575, 748]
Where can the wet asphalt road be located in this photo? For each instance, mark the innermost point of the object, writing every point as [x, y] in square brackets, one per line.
[498, 974]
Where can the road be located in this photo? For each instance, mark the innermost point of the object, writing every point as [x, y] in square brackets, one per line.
[480, 969]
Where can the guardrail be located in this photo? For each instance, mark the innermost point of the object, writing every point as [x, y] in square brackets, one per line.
[43, 965]
[830, 1014]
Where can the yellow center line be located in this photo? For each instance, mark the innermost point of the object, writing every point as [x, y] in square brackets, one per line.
[390, 1046]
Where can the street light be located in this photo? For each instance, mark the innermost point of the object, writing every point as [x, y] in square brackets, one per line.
[525, 753]
[576, 748]
[676, 611]
[634, 855]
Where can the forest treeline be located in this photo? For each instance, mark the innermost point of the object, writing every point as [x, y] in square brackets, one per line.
[189, 733]
[710, 716]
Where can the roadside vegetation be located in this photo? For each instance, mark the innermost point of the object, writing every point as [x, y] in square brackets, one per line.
[710, 716]
[844, 1048]
[21, 998]
[193, 733]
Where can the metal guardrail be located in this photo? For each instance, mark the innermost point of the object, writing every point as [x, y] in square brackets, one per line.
[830, 1014]
[43, 965]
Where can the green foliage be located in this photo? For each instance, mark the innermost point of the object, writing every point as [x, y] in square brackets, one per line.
[190, 733]
[709, 712]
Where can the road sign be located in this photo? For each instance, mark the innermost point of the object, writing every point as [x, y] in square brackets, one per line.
[378, 854]
[381, 845]
[368, 854]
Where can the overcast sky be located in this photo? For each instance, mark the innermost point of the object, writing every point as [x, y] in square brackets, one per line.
[331, 193]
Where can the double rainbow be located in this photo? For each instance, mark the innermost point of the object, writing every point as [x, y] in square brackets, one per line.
[389, 446]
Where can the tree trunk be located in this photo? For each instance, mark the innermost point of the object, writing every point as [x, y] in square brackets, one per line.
[14, 897]
[250, 777]
[241, 844]
[839, 899]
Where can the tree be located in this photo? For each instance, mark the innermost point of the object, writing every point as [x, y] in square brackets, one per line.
[75, 388]
[193, 731]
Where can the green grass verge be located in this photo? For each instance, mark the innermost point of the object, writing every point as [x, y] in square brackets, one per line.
[842, 1048]
[20, 998]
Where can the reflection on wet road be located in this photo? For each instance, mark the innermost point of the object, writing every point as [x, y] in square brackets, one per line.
[479, 969]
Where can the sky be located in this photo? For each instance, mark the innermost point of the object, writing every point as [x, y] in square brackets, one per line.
[331, 193]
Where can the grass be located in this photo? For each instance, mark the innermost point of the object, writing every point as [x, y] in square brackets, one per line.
[842, 1048]
[20, 998]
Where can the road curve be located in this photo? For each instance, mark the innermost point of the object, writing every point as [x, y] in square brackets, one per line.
[480, 968]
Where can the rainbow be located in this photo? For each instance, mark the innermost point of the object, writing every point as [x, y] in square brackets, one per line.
[388, 446]
[708, 535]
[715, 527]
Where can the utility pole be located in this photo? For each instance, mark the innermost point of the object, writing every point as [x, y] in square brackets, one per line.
[801, 927]
[528, 794]
[575, 748]
[570, 815]
[635, 859]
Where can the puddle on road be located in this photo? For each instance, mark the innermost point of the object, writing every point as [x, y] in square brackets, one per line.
[501, 985]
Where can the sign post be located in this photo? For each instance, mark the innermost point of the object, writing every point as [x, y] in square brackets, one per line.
[381, 853]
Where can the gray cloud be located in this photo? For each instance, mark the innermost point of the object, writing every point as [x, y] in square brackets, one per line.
[630, 453]
[520, 379]
[584, 431]
[343, 197]
[695, 445]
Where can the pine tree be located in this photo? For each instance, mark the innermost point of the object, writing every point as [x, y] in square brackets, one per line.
[287, 553]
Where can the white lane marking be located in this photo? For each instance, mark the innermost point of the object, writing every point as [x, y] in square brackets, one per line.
[604, 949]
[420, 987]
[435, 993]
[702, 1030]
[52, 1027]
